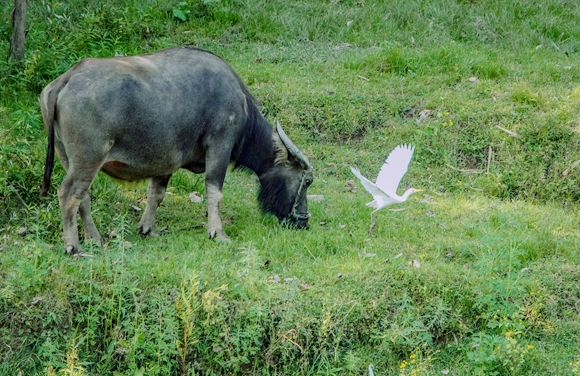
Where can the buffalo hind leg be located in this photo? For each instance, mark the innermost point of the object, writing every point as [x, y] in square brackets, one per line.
[91, 232]
[155, 193]
[71, 195]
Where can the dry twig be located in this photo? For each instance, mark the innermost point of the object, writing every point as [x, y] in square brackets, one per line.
[464, 170]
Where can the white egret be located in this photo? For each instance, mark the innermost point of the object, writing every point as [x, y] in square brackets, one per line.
[384, 191]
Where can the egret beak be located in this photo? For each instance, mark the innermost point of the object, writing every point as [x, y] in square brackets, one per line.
[418, 190]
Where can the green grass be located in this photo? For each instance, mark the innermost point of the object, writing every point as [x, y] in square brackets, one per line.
[496, 291]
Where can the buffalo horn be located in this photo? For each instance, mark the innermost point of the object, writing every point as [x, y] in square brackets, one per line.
[292, 149]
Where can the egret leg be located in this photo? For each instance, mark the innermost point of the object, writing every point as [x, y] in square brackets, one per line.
[372, 228]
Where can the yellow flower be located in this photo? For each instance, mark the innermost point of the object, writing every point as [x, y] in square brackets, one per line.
[450, 122]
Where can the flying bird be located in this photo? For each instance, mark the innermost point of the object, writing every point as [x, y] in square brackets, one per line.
[384, 191]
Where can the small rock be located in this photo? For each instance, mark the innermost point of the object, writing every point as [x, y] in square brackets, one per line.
[315, 198]
[114, 233]
[339, 275]
[430, 213]
[36, 300]
[342, 46]
[289, 280]
[136, 208]
[304, 287]
[195, 197]
[415, 263]
[340, 227]
[22, 231]
[274, 279]
[350, 186]
[473, 80]
[424, 115]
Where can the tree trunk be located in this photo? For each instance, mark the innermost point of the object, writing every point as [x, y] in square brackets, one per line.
[18, 30]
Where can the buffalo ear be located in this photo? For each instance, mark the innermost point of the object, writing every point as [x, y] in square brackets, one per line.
[293, 149]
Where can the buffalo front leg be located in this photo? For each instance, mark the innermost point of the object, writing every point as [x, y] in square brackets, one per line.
[155, 193]
[217, 161]
[214, 222]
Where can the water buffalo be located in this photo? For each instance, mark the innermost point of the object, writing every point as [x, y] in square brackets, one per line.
[138, 117]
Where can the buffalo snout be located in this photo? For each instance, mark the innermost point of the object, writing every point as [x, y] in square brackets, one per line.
[300, 224]
[295, 223]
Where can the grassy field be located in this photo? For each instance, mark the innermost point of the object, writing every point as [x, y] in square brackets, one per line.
[478, 276]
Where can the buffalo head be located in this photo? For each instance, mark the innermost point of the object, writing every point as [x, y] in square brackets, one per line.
[283, 187]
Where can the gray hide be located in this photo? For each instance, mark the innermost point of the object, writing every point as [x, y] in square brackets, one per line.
[140, 117]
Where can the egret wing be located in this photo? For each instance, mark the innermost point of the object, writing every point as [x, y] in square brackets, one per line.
[394, 169]
[369, 185]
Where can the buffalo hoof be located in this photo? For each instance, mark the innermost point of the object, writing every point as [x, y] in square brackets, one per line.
[147, 231]
[94, 241]
[218, 235]
[72, 250]
[92, 235]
